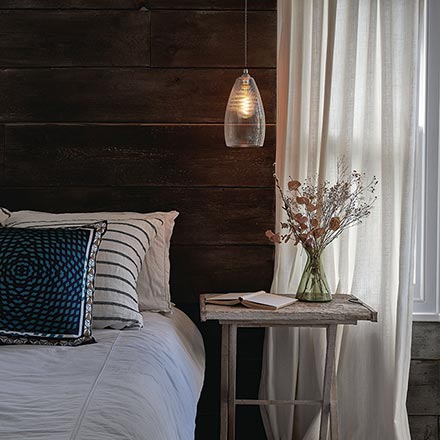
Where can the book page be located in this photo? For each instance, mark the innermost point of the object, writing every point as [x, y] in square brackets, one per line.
[235, 296]
[269, 299]
[246, 296]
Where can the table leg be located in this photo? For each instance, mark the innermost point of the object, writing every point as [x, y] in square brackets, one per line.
[334, 425]
[232, 379]
[224, 383]
[328, 379]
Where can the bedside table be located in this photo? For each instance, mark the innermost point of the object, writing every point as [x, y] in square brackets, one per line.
[344, 309]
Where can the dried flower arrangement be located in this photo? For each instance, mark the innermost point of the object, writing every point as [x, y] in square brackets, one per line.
[317, 213]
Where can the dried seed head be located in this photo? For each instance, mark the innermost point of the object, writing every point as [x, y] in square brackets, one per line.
[293, 185]
[274, 238]
[319, 232]
[334, 223]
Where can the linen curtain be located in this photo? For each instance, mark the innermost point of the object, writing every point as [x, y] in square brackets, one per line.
[347, 85]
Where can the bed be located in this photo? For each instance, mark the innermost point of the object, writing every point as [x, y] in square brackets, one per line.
[91, 346]
[137, 384]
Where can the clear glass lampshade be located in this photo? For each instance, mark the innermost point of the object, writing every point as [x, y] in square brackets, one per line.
[245, 123]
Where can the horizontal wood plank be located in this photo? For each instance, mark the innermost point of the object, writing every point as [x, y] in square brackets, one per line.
[426, 340]
[72, 4]
[74, 38]
[136, 4]
[2, 154]
[424, 427]
[96, 53]
[196, 269]
[211, 4]
[145, 155]
[2, 147]
[208, 215]
[203, 38]
[424, 388]
[124, 94]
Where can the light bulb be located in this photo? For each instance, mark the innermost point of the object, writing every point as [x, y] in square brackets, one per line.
[244, 118]
[244, 101]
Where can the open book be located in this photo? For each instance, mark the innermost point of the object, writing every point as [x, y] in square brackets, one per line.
[254, 300]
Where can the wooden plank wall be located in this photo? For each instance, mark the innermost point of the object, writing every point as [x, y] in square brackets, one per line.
[424, 382]
[118, 105]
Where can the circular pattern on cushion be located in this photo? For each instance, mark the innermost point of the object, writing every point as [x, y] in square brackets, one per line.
[43, 275]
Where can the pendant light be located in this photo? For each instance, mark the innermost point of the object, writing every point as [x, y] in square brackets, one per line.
[245, 124]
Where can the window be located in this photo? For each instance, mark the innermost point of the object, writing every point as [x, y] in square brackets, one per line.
[426, 276]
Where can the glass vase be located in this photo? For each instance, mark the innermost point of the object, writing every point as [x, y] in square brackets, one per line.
[313, 286]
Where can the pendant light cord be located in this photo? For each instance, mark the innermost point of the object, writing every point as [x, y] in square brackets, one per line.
[245, 34]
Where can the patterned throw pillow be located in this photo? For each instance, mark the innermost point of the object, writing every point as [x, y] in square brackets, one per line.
[47, 284]
[121, 258]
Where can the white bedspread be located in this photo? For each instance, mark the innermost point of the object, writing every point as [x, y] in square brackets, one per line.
[140, 384]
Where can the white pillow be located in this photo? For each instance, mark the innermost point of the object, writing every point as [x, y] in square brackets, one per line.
[4, 215]
[119, 262]
[154, 280]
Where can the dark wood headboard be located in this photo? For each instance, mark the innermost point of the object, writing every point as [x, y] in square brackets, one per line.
[118, 105]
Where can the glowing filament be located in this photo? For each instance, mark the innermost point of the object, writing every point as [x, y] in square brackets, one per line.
[244, 102]
[244, 117]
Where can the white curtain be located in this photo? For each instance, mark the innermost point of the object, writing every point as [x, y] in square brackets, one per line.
[347, 85]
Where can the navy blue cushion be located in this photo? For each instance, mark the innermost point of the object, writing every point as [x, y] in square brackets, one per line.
[47, 284]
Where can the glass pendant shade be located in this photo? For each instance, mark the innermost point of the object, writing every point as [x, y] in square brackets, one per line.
[245, 123]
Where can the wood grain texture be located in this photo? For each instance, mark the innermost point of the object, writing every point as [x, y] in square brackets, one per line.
[250, 348]
[167, 150]
[124, 94]
[2, 154]
[340, 310]
[212, 38]
[211, 4]
[424, 388]
[74, 38]
[129, 155]
[208, 215]
[424, 427]
[224, 382]
[426, 340]
[197, 269]
[136, 4]
[72, 4]
[231, 362]
[329, 376]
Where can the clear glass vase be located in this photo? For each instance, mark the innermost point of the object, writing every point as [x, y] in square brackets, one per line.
[313, 286]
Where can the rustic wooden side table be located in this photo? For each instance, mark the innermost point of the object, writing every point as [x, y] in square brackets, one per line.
[344, 309]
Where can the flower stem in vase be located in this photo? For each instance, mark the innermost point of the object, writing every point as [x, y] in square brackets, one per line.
[316, 213]
[313, 286]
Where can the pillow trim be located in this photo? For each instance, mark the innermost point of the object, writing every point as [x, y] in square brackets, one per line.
[98, 229]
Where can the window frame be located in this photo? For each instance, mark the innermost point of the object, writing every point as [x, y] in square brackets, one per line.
[426, 280]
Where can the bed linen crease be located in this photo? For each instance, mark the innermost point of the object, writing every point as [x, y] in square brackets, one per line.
[134, 384]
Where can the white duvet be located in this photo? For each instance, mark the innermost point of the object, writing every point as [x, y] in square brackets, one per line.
[140, 384]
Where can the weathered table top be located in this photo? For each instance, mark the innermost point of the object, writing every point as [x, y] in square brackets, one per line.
[338, 311]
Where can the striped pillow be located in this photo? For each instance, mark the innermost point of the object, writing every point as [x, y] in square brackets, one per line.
[119, 261]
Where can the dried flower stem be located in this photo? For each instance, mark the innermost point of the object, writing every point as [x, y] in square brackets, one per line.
[317, 212]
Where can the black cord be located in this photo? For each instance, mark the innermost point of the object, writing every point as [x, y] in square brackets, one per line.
[245, 33]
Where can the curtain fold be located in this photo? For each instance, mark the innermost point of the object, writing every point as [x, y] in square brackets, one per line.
[347, 85]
